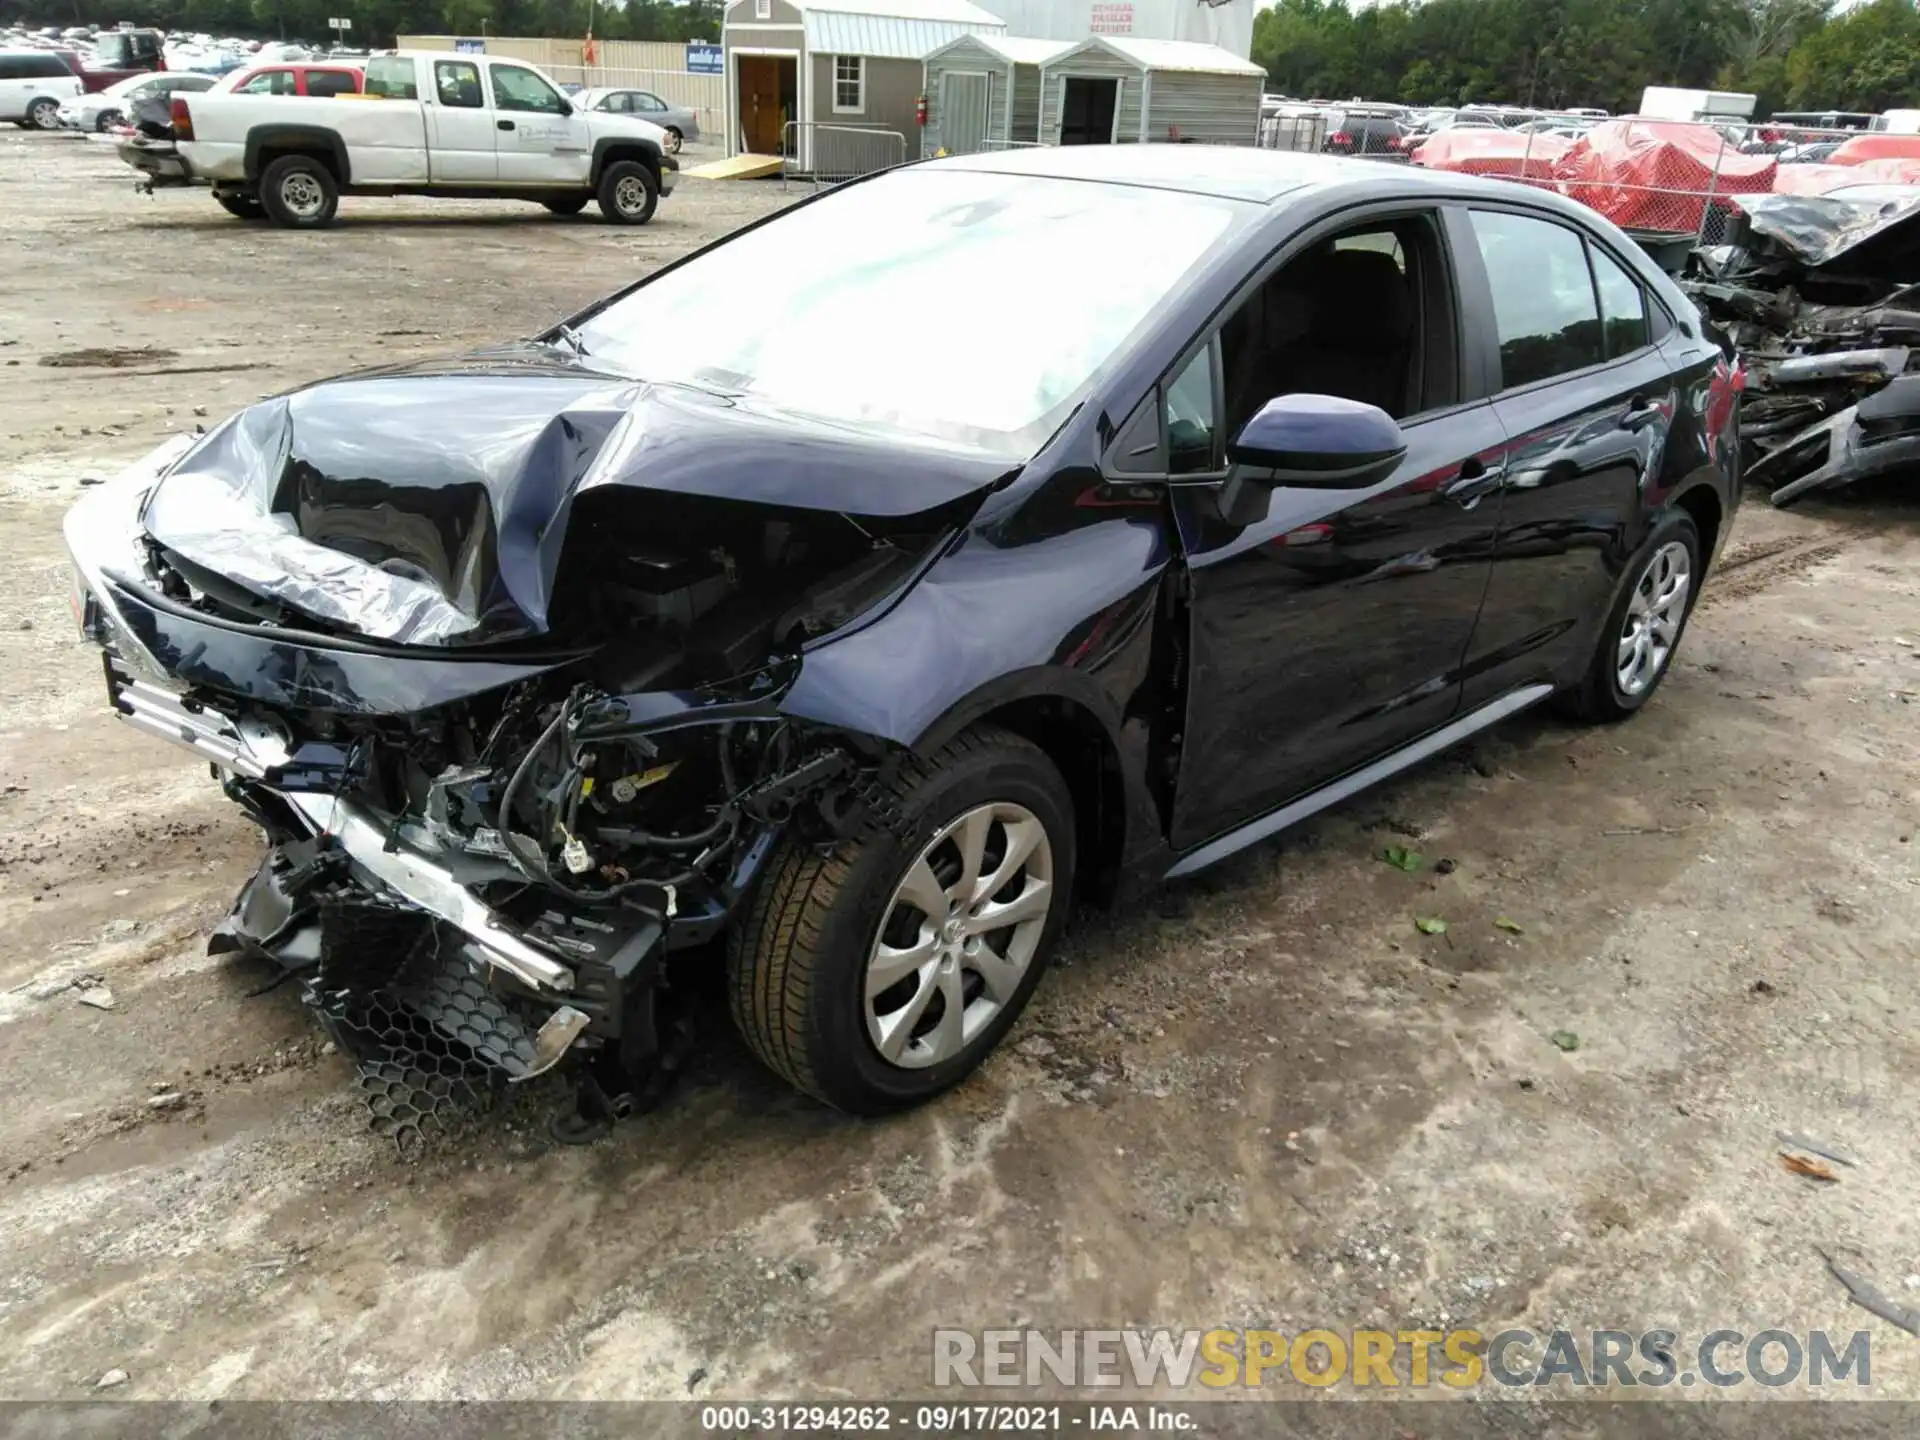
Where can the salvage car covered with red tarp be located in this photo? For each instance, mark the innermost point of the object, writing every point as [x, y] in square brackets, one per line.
[1475, 151]
[1658, 175]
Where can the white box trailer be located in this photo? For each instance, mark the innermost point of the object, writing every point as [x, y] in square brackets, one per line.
[1664, 102]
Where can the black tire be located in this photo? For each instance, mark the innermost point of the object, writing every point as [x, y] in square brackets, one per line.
[43, 113]
[1599, 696]
[299, 192]
[242, 207]
[797, 966]
[628, 193]
[674, 140]
[573, 205]
[106, 121]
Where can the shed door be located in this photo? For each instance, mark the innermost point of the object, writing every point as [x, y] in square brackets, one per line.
[963, 113]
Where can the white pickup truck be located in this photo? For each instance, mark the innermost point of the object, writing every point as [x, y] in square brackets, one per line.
[429, 123]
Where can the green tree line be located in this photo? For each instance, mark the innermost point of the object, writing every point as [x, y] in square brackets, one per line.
[377, 22]
[1792, 54]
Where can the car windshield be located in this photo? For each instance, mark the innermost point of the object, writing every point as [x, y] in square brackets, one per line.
[966, 305]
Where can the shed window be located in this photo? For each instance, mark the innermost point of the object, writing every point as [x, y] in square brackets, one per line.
[849, 85]
[763, 9]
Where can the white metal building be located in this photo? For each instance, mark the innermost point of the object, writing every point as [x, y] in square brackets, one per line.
[1226, 23]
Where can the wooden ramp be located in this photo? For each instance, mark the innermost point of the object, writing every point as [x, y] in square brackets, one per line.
[738, 167]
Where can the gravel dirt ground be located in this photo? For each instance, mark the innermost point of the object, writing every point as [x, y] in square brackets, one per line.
[1261, 1099]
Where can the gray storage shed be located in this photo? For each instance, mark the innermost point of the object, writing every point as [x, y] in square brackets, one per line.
[1114, 89]
[983, 93]
[834, 84]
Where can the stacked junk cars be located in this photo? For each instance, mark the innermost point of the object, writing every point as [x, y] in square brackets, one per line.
[1801, 247]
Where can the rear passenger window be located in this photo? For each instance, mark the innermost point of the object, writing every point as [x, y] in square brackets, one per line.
[457, 82]
[1623, 305]
[269, 82]
[392, 78]
[326, 83]
[1543, 304]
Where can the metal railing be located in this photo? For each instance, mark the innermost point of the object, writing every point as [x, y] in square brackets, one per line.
[1296, 131]
[831, 154]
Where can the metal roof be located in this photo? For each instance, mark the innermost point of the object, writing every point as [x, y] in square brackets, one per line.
[1017, 50]
[1188, 55]
[893, 29]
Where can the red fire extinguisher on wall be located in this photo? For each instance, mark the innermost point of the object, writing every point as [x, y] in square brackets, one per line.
[920, 112]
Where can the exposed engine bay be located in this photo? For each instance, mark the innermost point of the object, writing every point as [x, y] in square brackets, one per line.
[479, 889]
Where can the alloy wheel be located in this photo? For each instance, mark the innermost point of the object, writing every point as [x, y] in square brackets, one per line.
[1654, 615]
[45, 114]
[958, 935]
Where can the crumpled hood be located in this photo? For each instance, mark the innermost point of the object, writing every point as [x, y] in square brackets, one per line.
[428, 505]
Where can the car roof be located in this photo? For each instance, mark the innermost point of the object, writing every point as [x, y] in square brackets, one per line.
[1243, 172]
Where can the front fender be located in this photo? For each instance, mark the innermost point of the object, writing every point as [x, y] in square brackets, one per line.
[989, 624]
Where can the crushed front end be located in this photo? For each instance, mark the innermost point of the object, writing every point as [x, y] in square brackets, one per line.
[480, 861]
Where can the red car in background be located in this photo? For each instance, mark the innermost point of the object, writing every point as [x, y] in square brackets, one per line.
[296, 78]
[118, 55]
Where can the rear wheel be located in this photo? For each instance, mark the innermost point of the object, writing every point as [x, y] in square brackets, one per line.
[1642, 631]
[628, 193]
[573, 205]
[299, 192]
[44, 114]
[674, 140]
[241, 207]
[875, 975]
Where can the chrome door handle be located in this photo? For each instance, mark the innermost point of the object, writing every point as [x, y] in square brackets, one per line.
[1475, 482]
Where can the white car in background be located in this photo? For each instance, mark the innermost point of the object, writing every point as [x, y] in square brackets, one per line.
[33, 85]
[104, 109]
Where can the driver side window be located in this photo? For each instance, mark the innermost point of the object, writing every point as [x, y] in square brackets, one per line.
[518, 89]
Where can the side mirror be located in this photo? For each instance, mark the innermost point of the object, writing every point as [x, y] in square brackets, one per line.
[566, 107]
[1318, 441]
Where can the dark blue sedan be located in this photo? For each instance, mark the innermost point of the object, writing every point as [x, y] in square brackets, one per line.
[834, 606]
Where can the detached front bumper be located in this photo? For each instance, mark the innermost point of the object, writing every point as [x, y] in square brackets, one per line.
[403, 958]
[159, 161]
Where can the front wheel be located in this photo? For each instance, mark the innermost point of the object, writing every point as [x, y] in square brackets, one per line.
[108, 119]
[876, 975]
[628, 193]
[1643, 629]
[299, 192]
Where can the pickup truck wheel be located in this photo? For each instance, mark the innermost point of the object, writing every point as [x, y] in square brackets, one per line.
[299, 192]
[44, 114]
[875, 974]
[566, 207]
[241, 207]
[628, 193]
